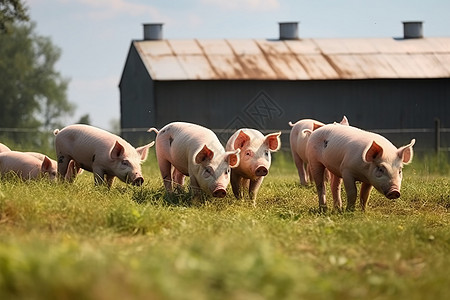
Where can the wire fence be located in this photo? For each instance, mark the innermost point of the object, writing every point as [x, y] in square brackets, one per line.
[438, 139]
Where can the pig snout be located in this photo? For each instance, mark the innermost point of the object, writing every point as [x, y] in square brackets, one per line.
[393, 194]
[219, 193]
[138, 181]
[261, 171]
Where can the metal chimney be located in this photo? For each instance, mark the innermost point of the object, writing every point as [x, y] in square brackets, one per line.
[412, 29]
[153, 31]
[288, 30]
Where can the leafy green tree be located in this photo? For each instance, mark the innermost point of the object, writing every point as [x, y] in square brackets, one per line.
[32, 93]
[85, 119]
[11, 11]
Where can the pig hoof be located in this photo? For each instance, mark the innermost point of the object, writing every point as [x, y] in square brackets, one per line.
[261, 171]
[138, 181]
[394, 194]
[219, 193]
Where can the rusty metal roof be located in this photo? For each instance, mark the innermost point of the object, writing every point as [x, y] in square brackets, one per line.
[305, 59]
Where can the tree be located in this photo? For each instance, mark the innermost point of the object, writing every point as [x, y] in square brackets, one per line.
[32, 92]
[85, 119]
[11, 11]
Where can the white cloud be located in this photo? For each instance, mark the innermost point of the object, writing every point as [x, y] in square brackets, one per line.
[250, 5]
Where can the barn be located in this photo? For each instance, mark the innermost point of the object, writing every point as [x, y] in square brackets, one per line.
[398, 87]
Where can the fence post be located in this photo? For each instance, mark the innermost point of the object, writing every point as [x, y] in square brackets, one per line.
[437, 134]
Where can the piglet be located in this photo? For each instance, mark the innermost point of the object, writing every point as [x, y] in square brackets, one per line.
[298, 139]
[186, 149]
[355, 155]
[4, 148]
[101, 152]
[255, 159]
[26, 166]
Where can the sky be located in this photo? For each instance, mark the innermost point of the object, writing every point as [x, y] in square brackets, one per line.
[95, 35]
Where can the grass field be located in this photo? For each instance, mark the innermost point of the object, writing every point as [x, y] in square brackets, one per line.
[61, 241]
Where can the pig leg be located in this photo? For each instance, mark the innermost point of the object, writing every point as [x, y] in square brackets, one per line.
[178, 178]
[300, 168]
[109, 180]
[317, 170]
[350, 188]
[99, 175]
[336, 191]
[254, 188]
[364, 194]
[63, 165]
[165, 168]
[237, 185]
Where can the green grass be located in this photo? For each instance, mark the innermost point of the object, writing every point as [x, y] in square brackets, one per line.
[61, 241]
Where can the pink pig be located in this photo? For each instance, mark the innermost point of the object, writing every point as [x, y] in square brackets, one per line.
[26, 166]
[354, 155]
[103, 153]
[255, 159]
[185, 149]
[4, 148]
[298, 139]
[41, 157]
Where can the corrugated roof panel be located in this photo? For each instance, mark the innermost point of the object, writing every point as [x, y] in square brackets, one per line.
[430, 65]
[154, 48]
[444, 60]
[404, 66]
[197, 67]
[304, 46]
[317, 66]
[185, 47]
[347, 66]
[165, 68]
[252, 60]
[222, 59]
[376, 66]
[282, 60]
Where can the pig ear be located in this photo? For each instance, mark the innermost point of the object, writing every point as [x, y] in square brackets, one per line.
[204, 155]
[233, 158]
[344, 121]
[241, 141]
[374, 152]
[273, 141]
[143, 151]
[46, 164]
[117, 151]
[406, 152]
[316, 126]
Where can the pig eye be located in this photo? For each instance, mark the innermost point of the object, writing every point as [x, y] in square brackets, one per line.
[125, 163]
[379, 171]
[248, 153]
[266, 152]
[209, 172]
[227, 171]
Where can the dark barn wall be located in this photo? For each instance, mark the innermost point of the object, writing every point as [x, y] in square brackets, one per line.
[368, 104]
[137, 104]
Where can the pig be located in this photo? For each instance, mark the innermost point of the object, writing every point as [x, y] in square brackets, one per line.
[26, 166]
[298, 140]
[4, 148]
[100, 152]
[41, 157]
[186, 149]
[352, 154]
[72, 171]
[255, 159]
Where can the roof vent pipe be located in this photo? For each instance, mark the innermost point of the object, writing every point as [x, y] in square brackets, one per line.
[288, 30]
[153, 31]
[412, 30]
